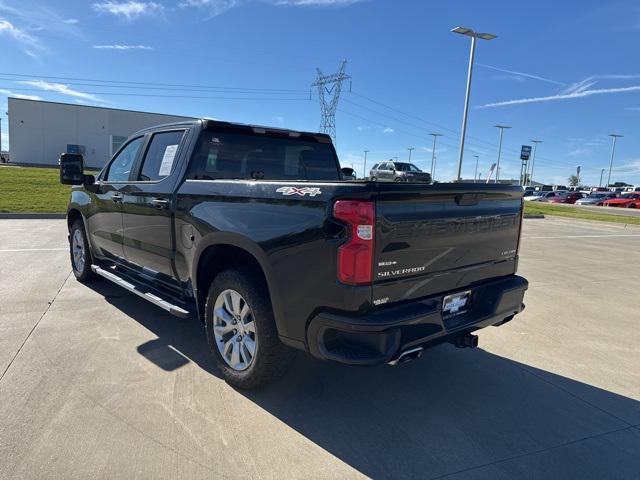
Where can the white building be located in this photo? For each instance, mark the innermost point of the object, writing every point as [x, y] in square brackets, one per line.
[40, 131]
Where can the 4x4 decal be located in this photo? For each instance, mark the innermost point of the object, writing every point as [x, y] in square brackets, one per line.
[302, 191]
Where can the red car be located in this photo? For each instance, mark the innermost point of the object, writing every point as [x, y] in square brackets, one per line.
[571, 197]
[627, 200]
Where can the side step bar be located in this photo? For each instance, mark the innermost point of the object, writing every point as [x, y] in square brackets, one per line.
[156, 300]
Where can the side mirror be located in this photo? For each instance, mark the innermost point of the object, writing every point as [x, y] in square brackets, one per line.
[72, 170]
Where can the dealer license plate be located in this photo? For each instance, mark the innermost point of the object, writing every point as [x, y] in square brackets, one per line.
[455, 303]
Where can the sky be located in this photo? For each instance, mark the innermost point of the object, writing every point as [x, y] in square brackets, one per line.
[565, 73]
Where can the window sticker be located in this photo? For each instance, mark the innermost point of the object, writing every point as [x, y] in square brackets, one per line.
[167, 160]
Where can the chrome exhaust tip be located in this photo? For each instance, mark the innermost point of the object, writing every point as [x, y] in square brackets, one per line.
[407, 356]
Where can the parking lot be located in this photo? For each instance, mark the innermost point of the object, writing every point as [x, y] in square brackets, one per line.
[97, 383]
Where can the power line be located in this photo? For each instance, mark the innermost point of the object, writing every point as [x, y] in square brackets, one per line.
[158, 95]
[152, 84]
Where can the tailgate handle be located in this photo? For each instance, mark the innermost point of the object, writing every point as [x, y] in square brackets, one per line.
[467, 199]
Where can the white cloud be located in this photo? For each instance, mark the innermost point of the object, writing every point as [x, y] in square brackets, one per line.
[521, 75]
[6, 27]
[215, 7]
[37, 18]
[279, 119]
[122, 47]
[578, 91]
[9, 93]
[129, 10]
[60, 88]
[24, 38]
[388, 130]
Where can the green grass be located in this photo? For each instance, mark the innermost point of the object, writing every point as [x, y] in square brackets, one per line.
[24, 189]
[563, 211]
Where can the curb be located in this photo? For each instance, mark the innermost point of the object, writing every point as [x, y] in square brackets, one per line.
[533, 215]
[27, 215]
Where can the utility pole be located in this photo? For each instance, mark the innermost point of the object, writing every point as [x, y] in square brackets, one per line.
[433, 154]
[484, 36]
[533, 158]
[328, 106]
[475, 175]
[601, 173]
[364, 173]
[613, 151]
[501, 127]
[410, 150]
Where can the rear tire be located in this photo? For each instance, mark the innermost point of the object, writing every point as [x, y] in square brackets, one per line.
[81, 258]
[373, 179]
[241, 330]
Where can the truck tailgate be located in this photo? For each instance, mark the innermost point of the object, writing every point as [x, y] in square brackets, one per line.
[437, 238]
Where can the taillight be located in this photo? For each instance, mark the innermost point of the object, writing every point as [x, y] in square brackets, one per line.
[355, 258]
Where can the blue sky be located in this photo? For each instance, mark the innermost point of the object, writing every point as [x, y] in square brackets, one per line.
[566, 73]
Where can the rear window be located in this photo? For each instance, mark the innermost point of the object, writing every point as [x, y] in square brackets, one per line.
[245, 156]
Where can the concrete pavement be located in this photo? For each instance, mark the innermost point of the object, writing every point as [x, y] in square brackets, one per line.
[97, 383]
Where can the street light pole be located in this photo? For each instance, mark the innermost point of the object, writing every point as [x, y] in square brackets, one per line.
[533, 158]
[410, 150]
[475, 175]
[433, 154]
[613, 151]
[601, 173]
[364, 173]
[501, 127]
[474, 35]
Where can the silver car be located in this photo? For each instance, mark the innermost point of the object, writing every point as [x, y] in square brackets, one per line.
[398, 172]
[596, 198]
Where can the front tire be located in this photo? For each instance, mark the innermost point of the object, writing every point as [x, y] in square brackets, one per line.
[241, 330]
[81, 258]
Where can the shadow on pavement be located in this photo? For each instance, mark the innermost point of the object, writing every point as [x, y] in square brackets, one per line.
[454, 411]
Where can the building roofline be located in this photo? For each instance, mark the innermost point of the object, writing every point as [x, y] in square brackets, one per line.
[100, 108]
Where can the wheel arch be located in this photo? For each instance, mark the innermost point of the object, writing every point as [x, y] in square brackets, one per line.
[227, 250]
[72, 215]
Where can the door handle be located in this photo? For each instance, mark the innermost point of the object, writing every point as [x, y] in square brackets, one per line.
[160, 203]
[116, 197]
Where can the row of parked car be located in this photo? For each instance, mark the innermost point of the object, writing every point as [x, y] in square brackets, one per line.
[606, 199]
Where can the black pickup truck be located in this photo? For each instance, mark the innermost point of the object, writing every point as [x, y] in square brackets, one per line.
[254, 231]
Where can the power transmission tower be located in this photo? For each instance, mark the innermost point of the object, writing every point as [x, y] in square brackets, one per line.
[329, 88]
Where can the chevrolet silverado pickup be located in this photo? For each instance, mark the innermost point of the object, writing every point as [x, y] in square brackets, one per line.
[254, 231]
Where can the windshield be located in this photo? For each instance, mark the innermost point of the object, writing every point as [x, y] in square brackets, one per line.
[631, 195]
[597, 195]
[407, 167]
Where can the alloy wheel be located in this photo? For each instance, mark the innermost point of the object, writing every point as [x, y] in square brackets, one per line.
[234, 330]
[77, 250]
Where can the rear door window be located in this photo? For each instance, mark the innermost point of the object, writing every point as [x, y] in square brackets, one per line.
[160, 158]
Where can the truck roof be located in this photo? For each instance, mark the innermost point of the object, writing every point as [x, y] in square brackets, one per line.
[209, 124]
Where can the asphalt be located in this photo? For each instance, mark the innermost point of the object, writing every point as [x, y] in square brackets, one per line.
[96, 383]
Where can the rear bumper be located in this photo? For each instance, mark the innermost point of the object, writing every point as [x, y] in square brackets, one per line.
[380, 336]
